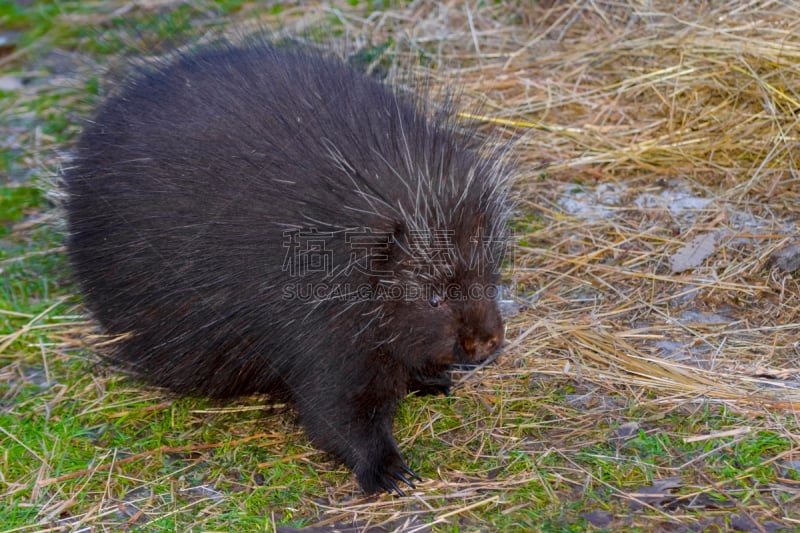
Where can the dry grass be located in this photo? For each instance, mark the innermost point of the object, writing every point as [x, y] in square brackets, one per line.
[639, 127]
[648, 102]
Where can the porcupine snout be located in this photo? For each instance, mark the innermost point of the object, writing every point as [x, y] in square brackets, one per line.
[482, 334]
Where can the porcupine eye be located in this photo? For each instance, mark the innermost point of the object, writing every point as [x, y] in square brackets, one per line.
[436, 300]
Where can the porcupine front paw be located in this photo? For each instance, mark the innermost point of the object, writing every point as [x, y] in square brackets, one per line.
[383, 471]
[431, 385]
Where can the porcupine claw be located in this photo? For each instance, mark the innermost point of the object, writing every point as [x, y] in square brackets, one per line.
[404, 479]
[411, 474]
[402, 473]
[390, 486]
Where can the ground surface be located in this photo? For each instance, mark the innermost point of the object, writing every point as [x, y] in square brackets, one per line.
[651, 380]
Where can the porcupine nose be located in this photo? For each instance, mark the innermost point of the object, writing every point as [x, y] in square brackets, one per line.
[479, 347]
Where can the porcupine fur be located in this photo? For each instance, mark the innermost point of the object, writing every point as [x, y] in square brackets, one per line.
[193, 204]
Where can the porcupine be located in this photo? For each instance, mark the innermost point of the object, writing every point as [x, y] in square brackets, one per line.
[252, 219]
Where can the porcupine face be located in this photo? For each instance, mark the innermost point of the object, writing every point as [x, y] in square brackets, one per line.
[450, 327]
[452, 323]
[450, 274]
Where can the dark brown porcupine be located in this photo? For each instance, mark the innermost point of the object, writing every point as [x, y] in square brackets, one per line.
[251, 219]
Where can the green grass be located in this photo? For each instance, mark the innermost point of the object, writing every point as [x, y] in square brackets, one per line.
[15, 202]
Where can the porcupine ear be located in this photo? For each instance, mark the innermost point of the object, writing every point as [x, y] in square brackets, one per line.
[398, 257]
[398, 251]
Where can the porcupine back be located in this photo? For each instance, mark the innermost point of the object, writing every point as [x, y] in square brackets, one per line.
[243, 217]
